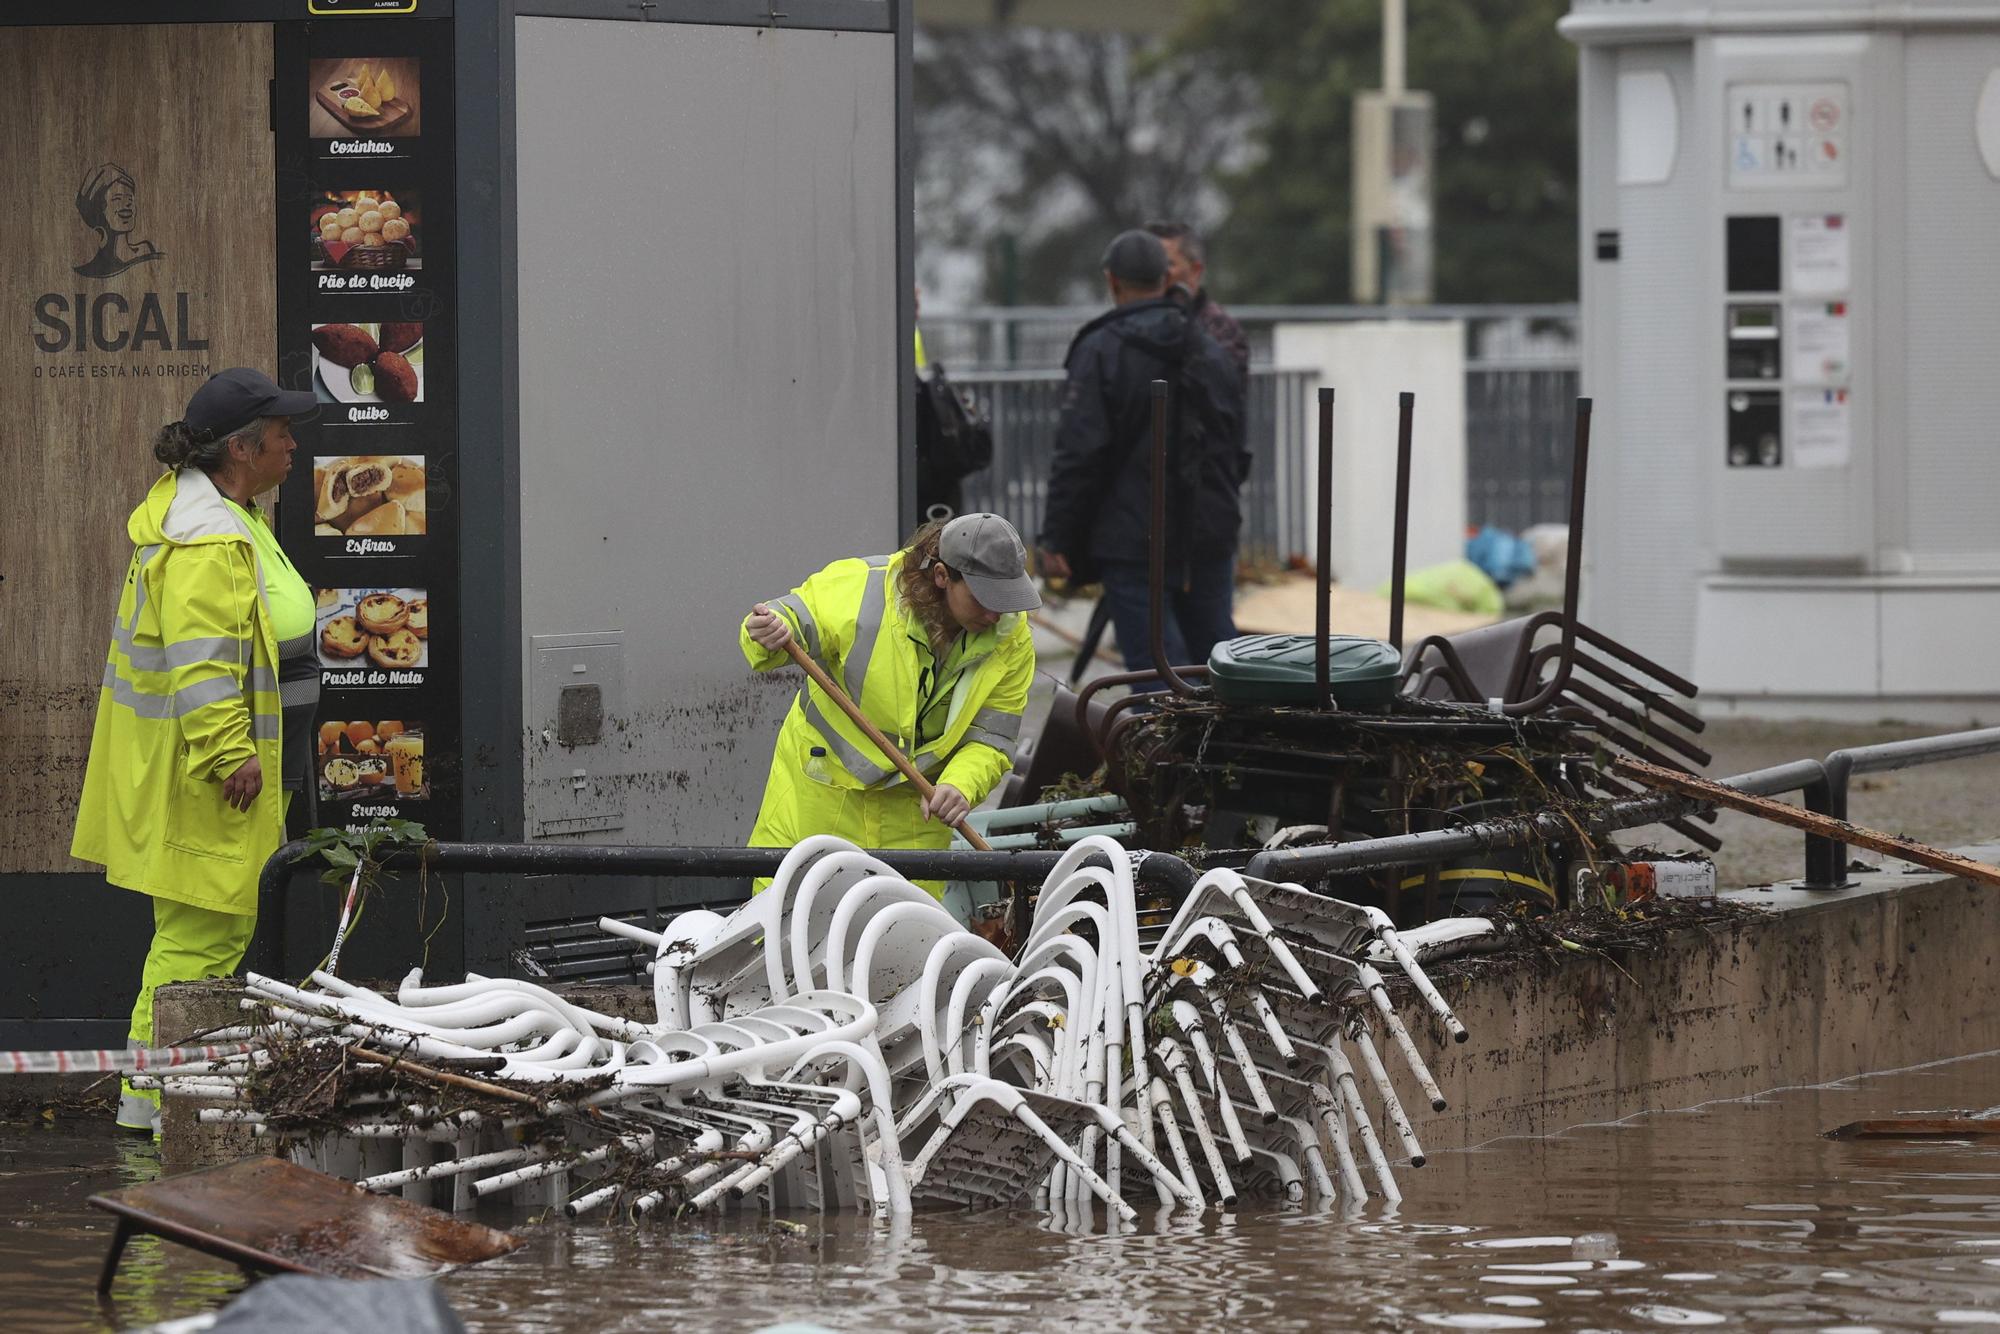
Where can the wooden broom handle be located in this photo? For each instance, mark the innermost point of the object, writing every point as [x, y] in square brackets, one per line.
[882, 743]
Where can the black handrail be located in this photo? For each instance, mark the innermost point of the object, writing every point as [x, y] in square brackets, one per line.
[1439, 845]
[1158, 870]
[1826, 858]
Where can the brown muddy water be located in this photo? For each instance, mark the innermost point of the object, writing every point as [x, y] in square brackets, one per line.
[1735, 1213]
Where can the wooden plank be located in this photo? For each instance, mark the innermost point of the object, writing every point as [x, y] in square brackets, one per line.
[266, 1213]
[1918, 1127]
[1889, 845]
[182, 109]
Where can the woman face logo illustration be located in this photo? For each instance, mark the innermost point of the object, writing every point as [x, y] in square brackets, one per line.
[108, 203]
[121, 208]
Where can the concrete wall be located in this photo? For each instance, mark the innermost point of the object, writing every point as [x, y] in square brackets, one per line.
[1895, 972]
[1368, 365]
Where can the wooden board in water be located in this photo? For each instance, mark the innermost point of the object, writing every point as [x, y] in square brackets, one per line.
[269, 1214]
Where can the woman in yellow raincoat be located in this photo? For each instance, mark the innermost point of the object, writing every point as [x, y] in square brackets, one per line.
[208, 693]
[933, 643]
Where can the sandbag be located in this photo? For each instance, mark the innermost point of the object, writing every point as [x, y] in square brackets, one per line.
[1456, 585]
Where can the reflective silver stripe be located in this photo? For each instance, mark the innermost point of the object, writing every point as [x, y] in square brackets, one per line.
[201, 694]
[263, 727]
[198, 695]
[264, 679]
[1003, 744]
[867, 628]
[851, 759]
[296, 647]
[808, 627]
[997, 721]
[225, 649]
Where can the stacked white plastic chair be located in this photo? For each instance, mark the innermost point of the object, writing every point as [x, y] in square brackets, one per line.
[842, 1042]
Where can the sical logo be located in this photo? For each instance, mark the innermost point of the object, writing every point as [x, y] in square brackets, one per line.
[108, 203]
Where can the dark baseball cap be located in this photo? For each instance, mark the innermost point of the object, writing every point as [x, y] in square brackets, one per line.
[987, 553]
[1137, 258]
[234, 398]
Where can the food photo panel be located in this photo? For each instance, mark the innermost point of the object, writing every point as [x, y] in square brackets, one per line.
[372, 760]
[367, 503]
[374, 636]
[356, 97]
[364, 234]
[363, 364]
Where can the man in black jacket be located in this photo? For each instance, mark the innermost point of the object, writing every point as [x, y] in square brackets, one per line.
[1099, 511]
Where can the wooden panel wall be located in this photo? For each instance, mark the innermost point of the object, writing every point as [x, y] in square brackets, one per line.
[183, 111]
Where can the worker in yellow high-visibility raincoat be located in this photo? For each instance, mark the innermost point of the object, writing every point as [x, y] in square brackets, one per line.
[933, 644]
[190, 771]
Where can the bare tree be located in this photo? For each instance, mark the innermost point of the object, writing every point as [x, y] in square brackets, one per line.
[1035, 146]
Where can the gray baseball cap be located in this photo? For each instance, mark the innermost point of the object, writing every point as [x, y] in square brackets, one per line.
[986, 550]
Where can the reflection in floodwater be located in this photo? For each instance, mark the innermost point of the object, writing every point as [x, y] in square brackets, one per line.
[1736, 1213]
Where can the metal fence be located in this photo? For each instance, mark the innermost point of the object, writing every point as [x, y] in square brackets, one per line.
[1521, 383]
[1026, 407]
[1518, 424]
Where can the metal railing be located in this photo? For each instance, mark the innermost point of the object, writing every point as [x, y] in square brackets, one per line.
[1826, 859]
[1516, 442]
[1159, 871]
[1036, 337]
[1823, 785]
[1025, 408]
[1521, 378]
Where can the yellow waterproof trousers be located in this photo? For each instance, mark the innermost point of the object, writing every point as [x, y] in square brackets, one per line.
[797, 806]
[189, 943]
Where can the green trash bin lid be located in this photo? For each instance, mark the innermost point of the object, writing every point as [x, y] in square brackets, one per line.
[1279, 669]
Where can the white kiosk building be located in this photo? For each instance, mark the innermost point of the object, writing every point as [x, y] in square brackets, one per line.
[1791, 309]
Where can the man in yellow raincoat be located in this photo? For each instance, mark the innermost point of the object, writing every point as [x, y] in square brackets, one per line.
[933, 643]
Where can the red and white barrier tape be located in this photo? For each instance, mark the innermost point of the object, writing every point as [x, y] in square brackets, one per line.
[119, 1060]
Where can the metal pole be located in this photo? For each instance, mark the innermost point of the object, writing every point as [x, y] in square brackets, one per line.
[1393, 43]
[1323, 573]
[1572, 577]
[1405, 409]
[1157, 546]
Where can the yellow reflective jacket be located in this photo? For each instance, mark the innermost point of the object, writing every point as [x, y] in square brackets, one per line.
[190, 692]
[850, 619]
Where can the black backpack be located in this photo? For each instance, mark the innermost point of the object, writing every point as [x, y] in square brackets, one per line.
[954, 439]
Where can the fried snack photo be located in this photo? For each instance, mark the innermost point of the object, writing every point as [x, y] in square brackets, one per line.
[344, 345]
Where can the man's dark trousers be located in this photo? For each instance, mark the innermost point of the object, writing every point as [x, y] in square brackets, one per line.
[1196, 619]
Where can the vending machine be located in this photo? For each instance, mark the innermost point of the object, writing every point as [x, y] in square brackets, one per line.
[1787, 279]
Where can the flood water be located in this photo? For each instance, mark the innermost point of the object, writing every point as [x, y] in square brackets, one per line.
[1735, 1213]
